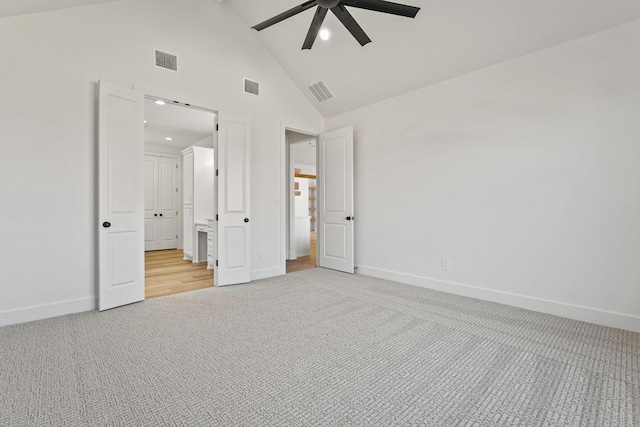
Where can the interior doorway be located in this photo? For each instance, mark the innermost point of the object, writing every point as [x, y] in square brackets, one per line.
[179, 197]
[302, 200]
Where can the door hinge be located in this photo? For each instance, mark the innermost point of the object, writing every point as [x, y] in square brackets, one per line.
[216, 263]
[176, 236]
[216, 217]
[176, 190]
[217, 127]
[216, 172]
[176, 166]
[176, 213]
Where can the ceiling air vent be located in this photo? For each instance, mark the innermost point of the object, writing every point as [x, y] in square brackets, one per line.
[321, 92]
[251, 87]
[166, 60]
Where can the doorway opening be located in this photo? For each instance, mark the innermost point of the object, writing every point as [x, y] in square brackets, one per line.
[178, 197]
[302, 200]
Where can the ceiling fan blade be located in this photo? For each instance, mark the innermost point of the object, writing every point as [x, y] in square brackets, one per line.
[384, 7]
[314, 29]
[347, 20]
[284, 15]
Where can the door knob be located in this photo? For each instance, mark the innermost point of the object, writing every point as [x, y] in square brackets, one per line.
[155, 214]
[106, 224]
[160, 214]
[348, 218]
[246, 220]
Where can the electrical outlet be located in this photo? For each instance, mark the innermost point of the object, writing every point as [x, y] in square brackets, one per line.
[445, 264]
[260, 256]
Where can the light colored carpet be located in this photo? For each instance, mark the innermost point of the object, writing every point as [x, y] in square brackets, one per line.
[318, 348]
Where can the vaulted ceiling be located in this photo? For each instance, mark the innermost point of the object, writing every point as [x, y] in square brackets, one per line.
[448, 38]
[23, 7]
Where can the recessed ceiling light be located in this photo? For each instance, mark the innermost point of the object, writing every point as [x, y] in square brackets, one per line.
[145, 122]
[159, 102]
[169, 138]
[325, 34]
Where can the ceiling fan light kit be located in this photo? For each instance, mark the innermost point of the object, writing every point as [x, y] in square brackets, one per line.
[340, 11]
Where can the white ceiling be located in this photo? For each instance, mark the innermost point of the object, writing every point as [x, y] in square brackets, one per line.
[23, 7]
[447, 39]
[186, 126]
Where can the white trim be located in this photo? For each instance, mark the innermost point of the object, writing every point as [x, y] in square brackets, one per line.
[266, 273]
[570, 311]
[45, 311]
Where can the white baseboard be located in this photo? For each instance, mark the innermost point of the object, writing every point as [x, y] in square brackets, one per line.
[570, 311]
[45, 311]
[267, 272]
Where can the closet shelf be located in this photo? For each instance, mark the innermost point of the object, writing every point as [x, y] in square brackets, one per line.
[304, 175]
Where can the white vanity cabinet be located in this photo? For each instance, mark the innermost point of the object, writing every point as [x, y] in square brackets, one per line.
[198, 186]
[211, 224]
[188, 232]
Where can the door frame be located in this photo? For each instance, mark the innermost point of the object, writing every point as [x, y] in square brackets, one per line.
[286, 221]
[171, 101]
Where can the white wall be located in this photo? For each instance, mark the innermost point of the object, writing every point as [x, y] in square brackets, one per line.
[524, 175]
[48, 81]
[205, 142]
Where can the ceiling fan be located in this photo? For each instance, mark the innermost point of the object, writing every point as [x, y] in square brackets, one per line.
[338, 8]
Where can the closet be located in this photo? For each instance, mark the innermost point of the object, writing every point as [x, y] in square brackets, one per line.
[198, 201]
[160, 203]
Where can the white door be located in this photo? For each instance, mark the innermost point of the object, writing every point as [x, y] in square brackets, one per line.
[335, 201]
[121, 196]
[167, 206]
[151, 226]
[160, 194]
[233, 158]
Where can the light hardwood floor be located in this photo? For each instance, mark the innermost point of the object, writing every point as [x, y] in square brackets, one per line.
[166, 273]
[305, 262]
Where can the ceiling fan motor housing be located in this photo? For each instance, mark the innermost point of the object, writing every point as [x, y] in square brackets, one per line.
[328, 4]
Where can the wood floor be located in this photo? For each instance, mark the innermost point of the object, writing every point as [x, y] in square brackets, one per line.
[305, 262]
[166, 273]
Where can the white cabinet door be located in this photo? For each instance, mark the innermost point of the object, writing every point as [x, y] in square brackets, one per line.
[335, 204]
[233, 158]
[188, 232]
[187, 178]
[121, 196]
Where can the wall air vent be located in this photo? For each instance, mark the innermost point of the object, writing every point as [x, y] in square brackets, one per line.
[321, 92]
[251, 87]
[166, 60]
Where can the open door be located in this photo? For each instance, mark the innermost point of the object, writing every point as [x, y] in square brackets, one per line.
[121, 196]
[335, 204]
[233, 156]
